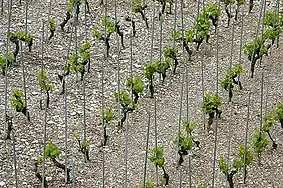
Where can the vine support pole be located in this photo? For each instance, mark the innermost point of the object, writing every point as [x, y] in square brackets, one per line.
[45, 111]
[102, 92]
[217, 91]
[179, 127]
[66, 112]
[15, 158]
[146, 150]
[6, 64]
[230, 103]
[246, 139]
[156, 136]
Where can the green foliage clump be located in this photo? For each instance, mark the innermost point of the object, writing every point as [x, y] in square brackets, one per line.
[157, 157]
[259, 142]
[3, 61]
[52, 24]
[139, 7]
[17, 100]
[136, 84]
[213, 13]
[279, 113]
[268, 122]
[148, 184]
[52, 151]
[211, 103]
[83, 146]
[229, 77]
[43, 81]
[108, 116]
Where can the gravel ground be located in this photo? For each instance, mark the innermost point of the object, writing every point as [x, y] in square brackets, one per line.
[29, 135]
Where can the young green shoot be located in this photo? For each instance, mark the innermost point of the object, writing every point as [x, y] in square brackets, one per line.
[259, 143]
[170, 55]
[150, 70]
[51, 27]
[279, 113]
[18, 103]
[83, 146]
[127, 105]
[44, 84]
[52, 152]
[136, 85]
[238, 163]
[213, 13]
[229, 79]
[268, 123]
[107, 117]
[139, 7]
[110, 28]
[228, 4]
[210, 106]
[36, 163]
[157, 158]
[4, 60]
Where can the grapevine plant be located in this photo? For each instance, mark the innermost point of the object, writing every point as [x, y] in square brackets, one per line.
[279, 113]
[83, 146]
[239, 3]
[18, 102]
[238, 163]
[157, 158]
[259, 47]
[27, 38]
[133, 23]
[230, 78]
[4, 60]
[127, 105]
[79, 62]
[228, 4]
[150, 70]
[170, 55]
[259, 143]
[137, 86]
[210, 106]
[274, 24]
[147, 184]
[267, 125]
[52, 152]
[110, 28]
[9, 121]
[185, 141]
[44, 84]
[107, 117]
[36, 163]
[14, 39]
[51, 27]
[139, 7]
[213, 13]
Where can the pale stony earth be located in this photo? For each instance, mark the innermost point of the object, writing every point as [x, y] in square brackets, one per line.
[29, 135]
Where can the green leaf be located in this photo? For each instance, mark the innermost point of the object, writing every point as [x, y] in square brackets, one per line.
[279, 112]
[108, 116]
[150, 69]
[17, 100]
[268, 122]
[211, 103]
[223, 166]
[43, 81]
[157, 157]
[136, 84]
[52, 151]
[52, 24]
[259, 141]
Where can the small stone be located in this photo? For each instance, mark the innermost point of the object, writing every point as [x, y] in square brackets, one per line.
[14, 6]
[48, 178]
[2, 183]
